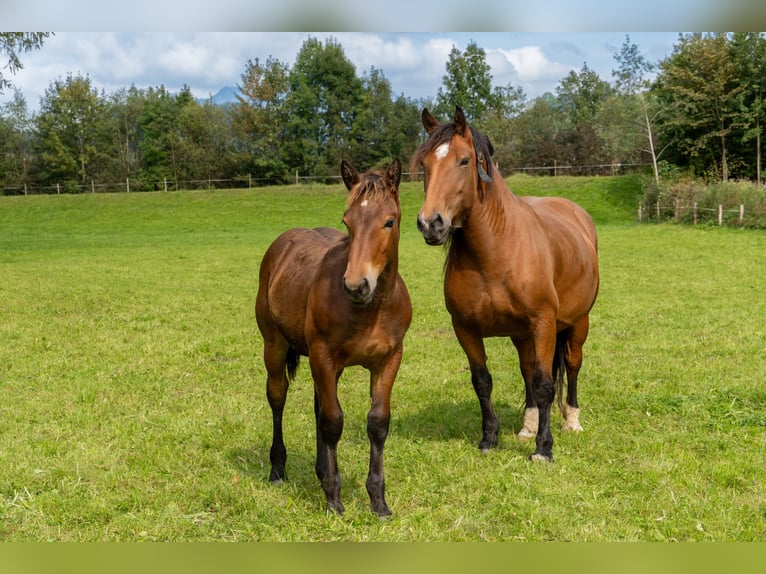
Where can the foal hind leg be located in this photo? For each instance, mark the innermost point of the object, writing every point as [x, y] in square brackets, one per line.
[481, 379]
[274, 354]
[571, 409]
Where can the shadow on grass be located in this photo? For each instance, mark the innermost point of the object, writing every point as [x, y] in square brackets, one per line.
[450, 420]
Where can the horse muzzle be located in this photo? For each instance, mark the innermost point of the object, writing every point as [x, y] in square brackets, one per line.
[360, 293]
[434, 230]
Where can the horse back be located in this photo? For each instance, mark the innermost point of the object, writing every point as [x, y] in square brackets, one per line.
[288, 271]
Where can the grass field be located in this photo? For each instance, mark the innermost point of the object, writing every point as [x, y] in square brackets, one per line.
[133, 394]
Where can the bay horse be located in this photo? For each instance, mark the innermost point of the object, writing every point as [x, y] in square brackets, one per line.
[518, 267]
[339, 300]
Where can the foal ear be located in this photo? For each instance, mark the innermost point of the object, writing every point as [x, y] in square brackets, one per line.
[460, 122]
[394, 173]
[349, 174]
[429, 121]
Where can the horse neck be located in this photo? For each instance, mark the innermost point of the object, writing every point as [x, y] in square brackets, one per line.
[493, 220]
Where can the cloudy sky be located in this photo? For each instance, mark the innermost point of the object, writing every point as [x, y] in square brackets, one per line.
[528, 44]
[414, 63]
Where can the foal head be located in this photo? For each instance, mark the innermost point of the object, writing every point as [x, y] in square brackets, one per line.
[457, 170]
[372, 219]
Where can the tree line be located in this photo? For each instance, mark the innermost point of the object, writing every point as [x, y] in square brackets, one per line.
[699, 111]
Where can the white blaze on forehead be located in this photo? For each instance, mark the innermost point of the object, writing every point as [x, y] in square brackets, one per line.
[442, 151]
[364, 203]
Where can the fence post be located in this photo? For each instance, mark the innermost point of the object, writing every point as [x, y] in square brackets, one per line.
[640, 214]
[720, 214]
[695, 213]
[675, 215]
[296, 177]
[658, 212]
[58, 189]
[127, 184]
[249, 181]
[741, 214]
[166, 183]
[25, 188]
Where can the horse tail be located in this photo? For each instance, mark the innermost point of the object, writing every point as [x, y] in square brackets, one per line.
[560, 366]
[292, 360]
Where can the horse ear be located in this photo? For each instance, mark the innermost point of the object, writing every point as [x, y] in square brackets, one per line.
[349, 174]
[461, 124]
[429, 121]
[394, 172]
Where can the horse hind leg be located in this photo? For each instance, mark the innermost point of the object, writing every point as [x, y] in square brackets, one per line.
[570, 410]
[526, 353]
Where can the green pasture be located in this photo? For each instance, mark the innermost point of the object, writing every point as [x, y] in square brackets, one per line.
[133, 395]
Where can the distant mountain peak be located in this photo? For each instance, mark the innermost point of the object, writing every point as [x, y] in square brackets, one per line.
[226, 95]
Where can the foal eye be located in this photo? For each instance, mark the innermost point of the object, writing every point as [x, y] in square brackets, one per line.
[389, 223]
[465, 161]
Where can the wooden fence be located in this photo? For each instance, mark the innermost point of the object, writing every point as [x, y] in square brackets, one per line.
[676, 212]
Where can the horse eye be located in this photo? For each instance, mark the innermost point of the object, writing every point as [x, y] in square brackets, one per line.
[465, 161]
[389, 223]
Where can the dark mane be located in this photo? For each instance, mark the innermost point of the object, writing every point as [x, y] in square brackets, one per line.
[443, 134]
[372, 185]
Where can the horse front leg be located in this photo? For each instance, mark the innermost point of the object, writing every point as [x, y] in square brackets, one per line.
[481, 379]
[329, 425]
[378, 420]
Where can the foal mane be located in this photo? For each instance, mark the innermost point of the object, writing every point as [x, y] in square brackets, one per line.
[372, 185]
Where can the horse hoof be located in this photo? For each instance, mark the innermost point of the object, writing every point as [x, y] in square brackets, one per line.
[569, 427]
[537, 457]
[525, 434]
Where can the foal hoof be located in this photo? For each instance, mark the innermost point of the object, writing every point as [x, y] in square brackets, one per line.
[335, 508]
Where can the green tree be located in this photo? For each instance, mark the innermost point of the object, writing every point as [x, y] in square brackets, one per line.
[538, 130]
[68, 124]
[260, 118]
[626, 118]
[467, 83]
[15, 142]
[699, 88]
[14, 43]
[749, 53]
[325, 95]
[580, 96]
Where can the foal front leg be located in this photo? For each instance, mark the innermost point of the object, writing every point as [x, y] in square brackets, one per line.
[378, 420]
[329, 422]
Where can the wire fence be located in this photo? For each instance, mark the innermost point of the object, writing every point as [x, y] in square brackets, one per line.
[142, 184]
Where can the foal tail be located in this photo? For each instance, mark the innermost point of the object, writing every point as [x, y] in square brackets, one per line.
[560, 366]
[291, 361]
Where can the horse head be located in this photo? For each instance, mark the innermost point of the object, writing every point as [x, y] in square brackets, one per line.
[453, 158]
[372, 218]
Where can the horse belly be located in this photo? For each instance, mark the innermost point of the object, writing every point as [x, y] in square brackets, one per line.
[490, 312]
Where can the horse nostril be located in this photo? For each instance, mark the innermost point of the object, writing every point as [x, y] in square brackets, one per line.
[437, 222]
[421, 223]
